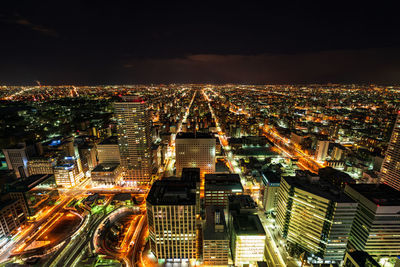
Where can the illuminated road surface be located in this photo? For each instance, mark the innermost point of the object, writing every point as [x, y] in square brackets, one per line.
[170, 159]
[275, 258]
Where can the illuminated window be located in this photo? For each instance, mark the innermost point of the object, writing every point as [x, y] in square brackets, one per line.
[397, 165]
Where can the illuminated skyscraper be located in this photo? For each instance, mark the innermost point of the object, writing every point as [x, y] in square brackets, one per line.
[270, 185]
[315, 217]
[376, 227]
[134, 139]
[88, 157]
[247, 235]
[171, 212]
[322, 150]
[195, 151]
[390, 171]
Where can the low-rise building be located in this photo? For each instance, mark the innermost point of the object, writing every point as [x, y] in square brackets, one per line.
[67, 175]
[41, 165]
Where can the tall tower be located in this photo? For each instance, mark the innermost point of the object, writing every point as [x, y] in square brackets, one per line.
[171, 214]
[134, 139]
[390, 171]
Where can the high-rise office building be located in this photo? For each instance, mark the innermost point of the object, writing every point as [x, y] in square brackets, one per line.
[338, 152]
[17, 160]
[195, 151]
[63, 147]
[215, 238]
[192, 175]
[171, 213]
[322, 150]
[390, 171]
[219, 186]
[376, 227]
[108, 151]
[34, 192]
[315, 217]
[134, 139]
[88, 157]
[12, 216]
[247, 235]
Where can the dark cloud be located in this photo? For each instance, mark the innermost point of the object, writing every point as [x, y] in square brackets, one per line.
[366, 66]
[253, 42]
[32, 26]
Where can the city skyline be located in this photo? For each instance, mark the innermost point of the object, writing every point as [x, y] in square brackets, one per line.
[207, 134]
[199, 174]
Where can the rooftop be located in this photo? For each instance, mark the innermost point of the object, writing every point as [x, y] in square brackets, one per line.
[65, 166]
[57, 142]
[122, 197]
[256, 151]
[223, 181]
[247, 224]
[182, 135]
[16, 146]
[106, 167]
[380, 194]
[172, 192]
[221, 167]
[270, 177]
[23, 185]
[240, 203]
[191, 175]
[320, 188]
[363, 258]
[132, 98]
[112, 140]
[209, 232]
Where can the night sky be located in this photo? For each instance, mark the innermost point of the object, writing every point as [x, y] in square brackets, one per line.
[119, 42]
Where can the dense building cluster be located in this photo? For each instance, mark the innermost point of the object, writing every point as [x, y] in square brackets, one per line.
[211, 175]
